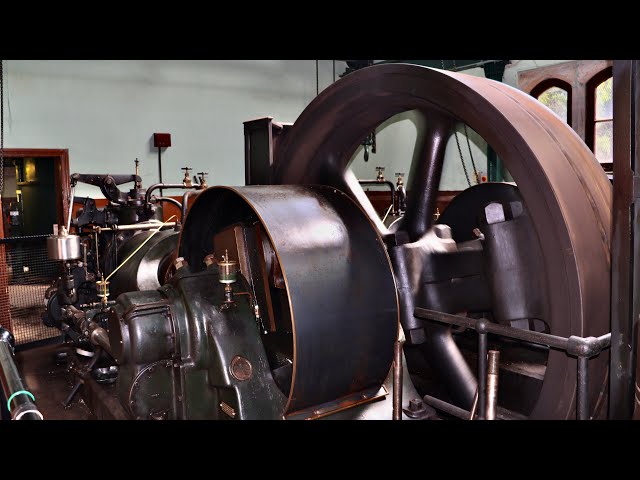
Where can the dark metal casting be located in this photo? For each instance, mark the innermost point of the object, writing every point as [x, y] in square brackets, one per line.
[326, 250]
[567, 194]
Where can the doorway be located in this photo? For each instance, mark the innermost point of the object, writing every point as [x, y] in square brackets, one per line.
[35, 196]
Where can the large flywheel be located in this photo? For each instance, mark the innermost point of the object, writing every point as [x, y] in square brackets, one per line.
[566, 193]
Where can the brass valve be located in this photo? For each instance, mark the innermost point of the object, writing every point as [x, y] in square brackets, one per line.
[103, 290]
[186, 181]
[203, 180]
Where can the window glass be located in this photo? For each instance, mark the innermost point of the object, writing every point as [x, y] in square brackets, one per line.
[603, 131]
[556, 99]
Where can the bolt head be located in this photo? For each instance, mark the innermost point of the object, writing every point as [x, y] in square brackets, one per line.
[179, 263]
[494, 213]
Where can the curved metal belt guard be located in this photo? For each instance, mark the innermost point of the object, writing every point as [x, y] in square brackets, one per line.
[340, 287]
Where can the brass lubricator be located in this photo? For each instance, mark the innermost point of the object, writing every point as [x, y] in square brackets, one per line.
[380, 176]
[103, 290]
[401, 193]
[228, 271]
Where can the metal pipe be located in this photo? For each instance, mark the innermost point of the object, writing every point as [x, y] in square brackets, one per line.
[169, 200]
[583, 388]
[472, 65]
[19, 400]
[475, 406]
[492, 384]
[97, 255]
[526, 335]
[99, 337]
[482, 374]
[604, 340]
[185, 204]
[501, 413]
[156, 186]
[391, 186]
[135, 226]
[71, 196]
[397, 380]
[446, 407]
[160, 167]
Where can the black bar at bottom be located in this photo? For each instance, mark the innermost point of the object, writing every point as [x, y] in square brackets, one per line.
[583, 388]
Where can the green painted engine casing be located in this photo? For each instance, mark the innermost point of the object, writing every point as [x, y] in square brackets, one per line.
[175, 345]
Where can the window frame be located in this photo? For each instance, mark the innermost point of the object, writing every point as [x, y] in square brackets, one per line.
[548, 83]
[590, 108]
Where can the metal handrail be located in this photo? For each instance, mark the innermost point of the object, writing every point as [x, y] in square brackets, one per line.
[582, 347]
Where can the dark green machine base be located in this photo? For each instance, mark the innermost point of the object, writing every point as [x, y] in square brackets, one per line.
[158, 379]
[175, 347]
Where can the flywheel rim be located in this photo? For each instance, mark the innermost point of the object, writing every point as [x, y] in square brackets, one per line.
[565, 189]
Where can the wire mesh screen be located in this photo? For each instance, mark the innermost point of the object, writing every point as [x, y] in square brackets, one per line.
[25, 275]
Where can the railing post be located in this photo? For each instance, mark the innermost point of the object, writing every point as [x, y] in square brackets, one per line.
[583, 388]
[482, 369]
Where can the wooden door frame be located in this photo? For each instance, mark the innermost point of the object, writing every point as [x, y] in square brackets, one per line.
[63, 190]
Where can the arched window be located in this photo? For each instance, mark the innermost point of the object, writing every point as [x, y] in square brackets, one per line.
[555, 94]
[599, 115]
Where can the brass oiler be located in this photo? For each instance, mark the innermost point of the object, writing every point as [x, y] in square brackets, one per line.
[228, 271]
[103, 290]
